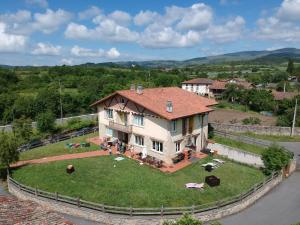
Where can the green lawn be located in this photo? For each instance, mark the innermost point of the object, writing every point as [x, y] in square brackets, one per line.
[130, 184]
[241, 145]
[274, 138]
[58, 148]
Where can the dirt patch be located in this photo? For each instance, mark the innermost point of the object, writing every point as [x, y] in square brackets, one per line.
[236, 117]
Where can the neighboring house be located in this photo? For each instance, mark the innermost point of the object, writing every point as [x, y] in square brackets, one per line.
[160, 121]
[212, 88]
[199, 86]
[283, 95]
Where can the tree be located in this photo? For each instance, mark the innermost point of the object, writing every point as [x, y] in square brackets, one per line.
[45, 122]
[8, 149]
[22, 129]
[275, 158]
[232, 92]
[290, 67]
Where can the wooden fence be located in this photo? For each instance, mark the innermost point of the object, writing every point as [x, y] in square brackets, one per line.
[131, 211]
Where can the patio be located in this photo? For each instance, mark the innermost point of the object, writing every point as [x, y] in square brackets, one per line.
[195, 156]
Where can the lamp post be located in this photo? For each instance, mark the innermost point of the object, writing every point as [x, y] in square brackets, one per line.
[294, 118]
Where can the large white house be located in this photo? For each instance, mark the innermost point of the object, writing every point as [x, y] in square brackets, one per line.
[160, 121]
[199, 86]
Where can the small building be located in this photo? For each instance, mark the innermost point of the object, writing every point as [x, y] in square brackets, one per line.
[159, 121]
[199, 86]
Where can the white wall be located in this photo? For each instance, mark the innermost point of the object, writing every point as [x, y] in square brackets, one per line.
[237, 154]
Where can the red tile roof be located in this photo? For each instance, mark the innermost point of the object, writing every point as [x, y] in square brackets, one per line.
[198, 81]
[218, 85]
[154, 99]
[283, 95]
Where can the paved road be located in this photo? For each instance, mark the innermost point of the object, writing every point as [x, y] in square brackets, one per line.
[280, 207]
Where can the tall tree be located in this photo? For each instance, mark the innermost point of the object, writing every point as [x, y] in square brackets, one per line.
[8, 149]
[290, 67]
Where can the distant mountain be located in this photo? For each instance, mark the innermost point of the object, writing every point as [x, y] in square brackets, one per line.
[257, 57]
[275, 56]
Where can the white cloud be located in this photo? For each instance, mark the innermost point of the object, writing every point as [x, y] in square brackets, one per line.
[120, 17]
[46, 49]
[50, 21]
[230, 31]
[89, 13]
[198, 16]
[289, 10]
[283, 25]
[77, 51]
[166, 37]
[107, 30]
[10, 42]
[85, 52]
[21, 16]
[145, 18]
[113, 53]
[66, 61]
[40, 3]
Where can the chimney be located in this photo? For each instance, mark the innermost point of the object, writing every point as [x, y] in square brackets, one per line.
[139, 89]
[132, 87]
[169, 106]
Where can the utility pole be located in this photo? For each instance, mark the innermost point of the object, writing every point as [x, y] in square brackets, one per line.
[294, 119]
[60, 100]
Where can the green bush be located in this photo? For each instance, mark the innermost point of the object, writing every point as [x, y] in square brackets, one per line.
[186, 219]
[45, 122]
[275, 158]
[251, 121]
[76, 124]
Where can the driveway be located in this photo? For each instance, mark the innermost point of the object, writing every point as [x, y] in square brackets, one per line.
[280, 207]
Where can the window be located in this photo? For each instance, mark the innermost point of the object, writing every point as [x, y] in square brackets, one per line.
[138, 120]
[109, 132]
[139, 140]
[109, 113]
[173, 125]
[177, 146]
[157, 146]
[122, 100]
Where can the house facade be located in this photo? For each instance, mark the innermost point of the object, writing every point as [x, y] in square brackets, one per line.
[199, 86]
[212, 88]
[160, 121]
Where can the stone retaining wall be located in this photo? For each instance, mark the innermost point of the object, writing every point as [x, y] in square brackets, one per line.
[114, 219]
[237, 154]
[269, 130]
[58, 121]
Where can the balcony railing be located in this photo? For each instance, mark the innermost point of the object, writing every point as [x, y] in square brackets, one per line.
[120, 127]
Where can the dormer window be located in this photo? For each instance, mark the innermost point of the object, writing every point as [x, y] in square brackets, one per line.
[122, 100]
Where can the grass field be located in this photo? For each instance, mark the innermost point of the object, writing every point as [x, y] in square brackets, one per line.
[274, 138]
[241, 145]
[130, 184]
[58, 148]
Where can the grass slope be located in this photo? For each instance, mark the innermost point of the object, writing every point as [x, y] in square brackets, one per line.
[241, 145]
[58, 148]
[130, 184]
[274, 138]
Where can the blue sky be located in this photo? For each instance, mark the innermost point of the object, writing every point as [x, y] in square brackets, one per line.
[56, 32]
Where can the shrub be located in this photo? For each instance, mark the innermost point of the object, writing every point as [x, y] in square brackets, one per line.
[251, 121]
[77, 124]
[8, 149]
[275, 158]
[45, 122]
[186, 219]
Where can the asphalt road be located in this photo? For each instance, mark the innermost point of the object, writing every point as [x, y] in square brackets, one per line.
[279, 207]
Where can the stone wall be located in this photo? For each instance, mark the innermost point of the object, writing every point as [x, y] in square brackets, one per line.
[269, 130]
[58, 121]
[237, 154]
[114, 219]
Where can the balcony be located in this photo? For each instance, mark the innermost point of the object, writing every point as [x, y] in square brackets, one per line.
[120, 127]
